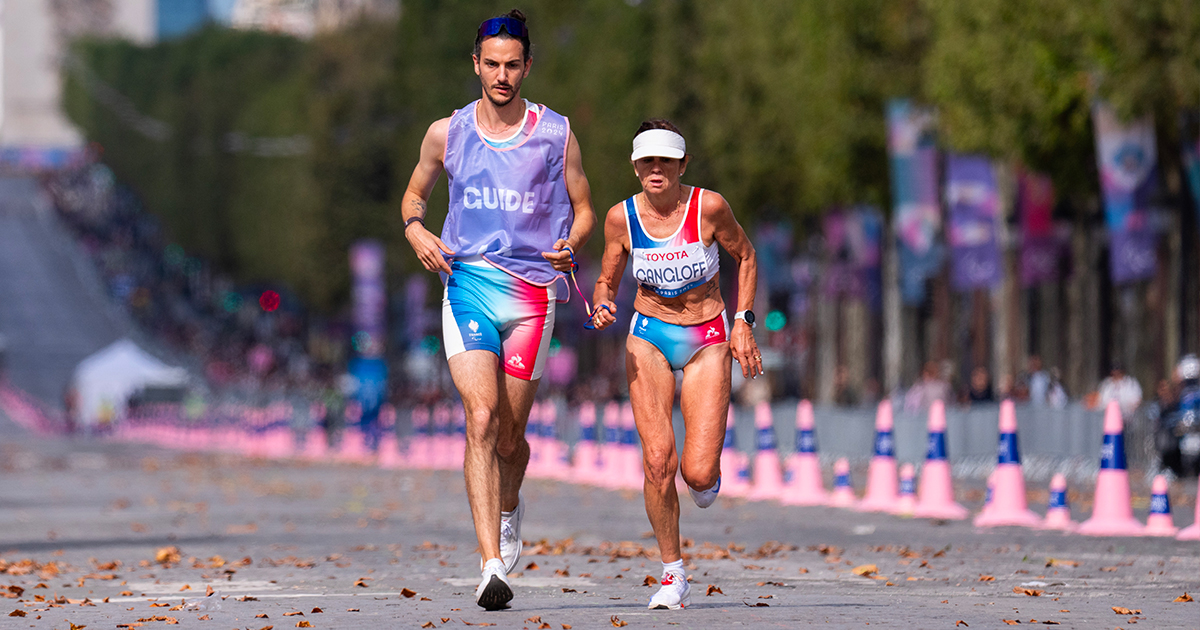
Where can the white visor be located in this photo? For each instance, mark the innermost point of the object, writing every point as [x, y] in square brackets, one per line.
[658, 143]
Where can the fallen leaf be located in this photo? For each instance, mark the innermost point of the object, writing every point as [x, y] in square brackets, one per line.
[532, 566]
[713, 588]
[426, 599]
[561, 573]
[203, 618]
[261, 616]
[544, 626]
[293, 613]
[616, 622]
[1064, 610]
[168, 555]
[566, 626]
[569, 590]
[208, 590]
[534, 620]
[361, 582]
[1121, 610]
[960, 622]
[126, 593]
[1108, 569]
[1059, 562]
[757, 604]
[186, 587]
[303, 624]
[1011, 622]
[408, 592]
[352, 610]
[987, 578]
[1051, 623]
[865, 570]
[247, 598]
[1184, 598]
[445, 619]
[1032, 592]
[766, 597]
[649, 581]
[17, 613]
[75, 627]
[427, 624]
[803, 570]
[317, 610]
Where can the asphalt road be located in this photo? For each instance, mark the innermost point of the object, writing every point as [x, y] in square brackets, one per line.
[87, 531]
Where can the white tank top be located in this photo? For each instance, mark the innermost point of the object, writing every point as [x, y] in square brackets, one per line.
[677, 264]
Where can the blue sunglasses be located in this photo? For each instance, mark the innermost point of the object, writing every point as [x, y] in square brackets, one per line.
[491, 28]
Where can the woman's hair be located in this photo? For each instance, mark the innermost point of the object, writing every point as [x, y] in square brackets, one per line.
[516, 14]
[657, 123]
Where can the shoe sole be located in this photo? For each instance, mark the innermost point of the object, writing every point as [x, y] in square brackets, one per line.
[687, 601]
[496, 595]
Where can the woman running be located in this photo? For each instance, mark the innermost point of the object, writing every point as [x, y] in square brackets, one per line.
[672, 232]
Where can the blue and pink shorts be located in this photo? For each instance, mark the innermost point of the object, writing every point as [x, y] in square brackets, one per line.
[679, 343]
[485, 308]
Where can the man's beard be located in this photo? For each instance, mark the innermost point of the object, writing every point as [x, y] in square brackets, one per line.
[513, 91]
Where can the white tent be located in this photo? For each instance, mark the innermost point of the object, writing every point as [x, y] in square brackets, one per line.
[105, 380]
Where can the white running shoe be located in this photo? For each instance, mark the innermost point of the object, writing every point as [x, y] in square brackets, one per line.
[705, 498]
[674, 594]
[494, 592]
[510, 536]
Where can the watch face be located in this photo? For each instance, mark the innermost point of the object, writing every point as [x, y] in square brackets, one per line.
[749, 317]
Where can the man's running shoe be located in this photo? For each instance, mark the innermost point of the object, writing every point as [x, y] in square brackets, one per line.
[510, 536]
[705, 498]
[674, 593]
[494, 592]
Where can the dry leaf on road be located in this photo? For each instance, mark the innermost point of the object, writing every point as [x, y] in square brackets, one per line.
[712, 588]
[865, 570]
[303, 624]
[616, 622]
[987, 578]
[1184, 598]
[1032, 592]
[649, 581]
[1121, 610]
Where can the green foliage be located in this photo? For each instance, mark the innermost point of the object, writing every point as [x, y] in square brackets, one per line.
[782, 102]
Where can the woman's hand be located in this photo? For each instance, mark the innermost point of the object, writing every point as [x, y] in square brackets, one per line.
[745, 349]
[605, 313]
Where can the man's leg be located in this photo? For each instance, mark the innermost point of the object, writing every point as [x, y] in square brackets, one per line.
[652, 394]
[477, 376]
[515, 401]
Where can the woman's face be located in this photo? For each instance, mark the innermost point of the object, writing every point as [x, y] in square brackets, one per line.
[659, 174]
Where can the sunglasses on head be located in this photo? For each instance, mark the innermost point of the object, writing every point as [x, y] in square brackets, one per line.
[491, 28]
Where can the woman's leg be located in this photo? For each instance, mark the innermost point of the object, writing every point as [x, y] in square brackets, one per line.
[652, 395]
[705, 403]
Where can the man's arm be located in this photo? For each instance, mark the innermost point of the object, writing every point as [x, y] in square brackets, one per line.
[581, 202]
[426, 245]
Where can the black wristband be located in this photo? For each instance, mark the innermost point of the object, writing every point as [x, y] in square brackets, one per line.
[412, 220]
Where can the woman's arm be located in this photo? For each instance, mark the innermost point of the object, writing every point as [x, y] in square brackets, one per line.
[612, 267]
[730, 235]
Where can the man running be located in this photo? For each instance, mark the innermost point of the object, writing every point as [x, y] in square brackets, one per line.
[672, 232]
[519, 204]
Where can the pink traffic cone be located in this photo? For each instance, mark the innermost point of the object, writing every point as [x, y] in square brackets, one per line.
[558, 464]
[632, 474]
[354, 446]
[882, 484]
[735, 469]
[768, 478]
[1058, 512]
[417, 452]
[1160, 523]
[936, 491]
[389, 452]
[843, 487]
[804, 485]
[1192, 532]
[906, 502]
[1112, 512]
[584, 469]
[1008, 506]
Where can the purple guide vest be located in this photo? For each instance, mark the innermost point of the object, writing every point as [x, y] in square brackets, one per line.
[508, 205]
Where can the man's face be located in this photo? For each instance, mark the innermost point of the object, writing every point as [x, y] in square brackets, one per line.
[501, 68]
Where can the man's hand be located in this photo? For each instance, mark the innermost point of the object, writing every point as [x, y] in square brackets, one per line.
[560, 258]
[605, 313]
[745, 349]
[428, 248]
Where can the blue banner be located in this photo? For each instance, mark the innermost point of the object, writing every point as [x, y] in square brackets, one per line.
[1128, 160]
[973, 202]
[917, 215]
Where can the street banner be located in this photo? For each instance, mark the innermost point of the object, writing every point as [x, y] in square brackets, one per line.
[973, 203]
[853, 246]
[1191, 158]
[917, 215]
[1127, 157]
[1041, 249]
[369, 296]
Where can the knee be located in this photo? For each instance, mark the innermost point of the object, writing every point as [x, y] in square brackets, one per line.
[659, 464]
[507, 446]
[701, 477]
[482, 427]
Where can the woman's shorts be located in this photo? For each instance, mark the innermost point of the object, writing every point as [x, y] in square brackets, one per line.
[679, 343]
[485, 308]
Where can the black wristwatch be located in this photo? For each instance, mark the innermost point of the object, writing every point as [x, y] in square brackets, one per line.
[746, 316]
